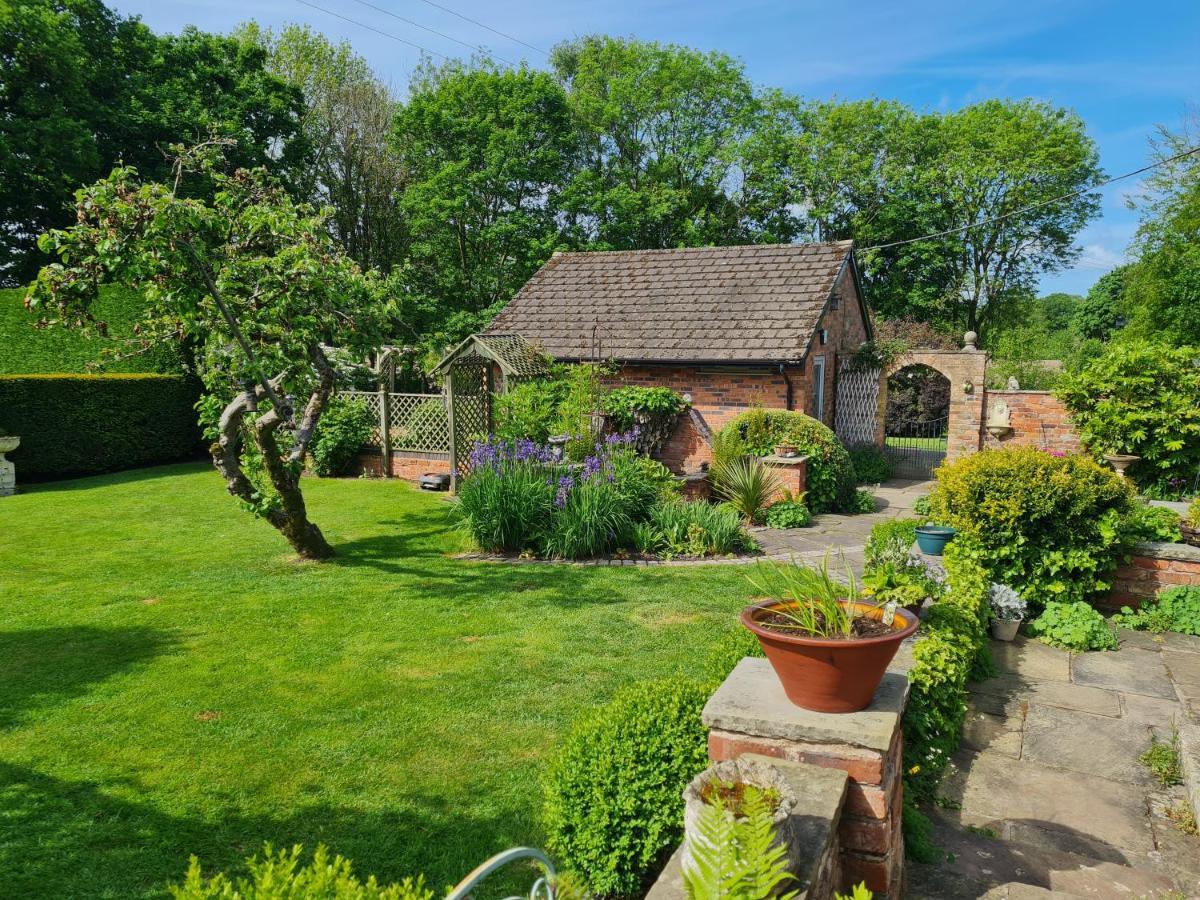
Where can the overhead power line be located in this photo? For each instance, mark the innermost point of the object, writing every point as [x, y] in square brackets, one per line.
[1016, 212]
[378, 31]
[388, 12]
[485, 27]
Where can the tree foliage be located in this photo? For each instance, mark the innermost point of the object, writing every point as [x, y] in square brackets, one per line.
[255, 282]
[85, 89]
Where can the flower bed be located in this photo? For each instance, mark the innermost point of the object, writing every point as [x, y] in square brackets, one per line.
[521, 499]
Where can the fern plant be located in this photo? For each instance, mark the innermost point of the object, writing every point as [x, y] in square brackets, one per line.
[737, 858]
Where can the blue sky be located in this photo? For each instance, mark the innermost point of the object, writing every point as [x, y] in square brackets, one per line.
[1124, 67]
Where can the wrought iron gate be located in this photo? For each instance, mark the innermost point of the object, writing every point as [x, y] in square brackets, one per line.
[918, 448]
[856, 412]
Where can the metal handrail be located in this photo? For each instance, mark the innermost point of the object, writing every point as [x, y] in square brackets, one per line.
[542, 889]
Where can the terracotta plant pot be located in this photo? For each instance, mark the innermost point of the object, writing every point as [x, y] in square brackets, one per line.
[1005, 629]
[824, 675]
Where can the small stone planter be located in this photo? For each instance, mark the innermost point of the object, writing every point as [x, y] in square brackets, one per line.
[1005, 629]
[740, 771]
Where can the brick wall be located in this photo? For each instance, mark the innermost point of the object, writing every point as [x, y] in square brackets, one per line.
[962, 368]
[1153, 566]
[405, 464]
[1037, 418]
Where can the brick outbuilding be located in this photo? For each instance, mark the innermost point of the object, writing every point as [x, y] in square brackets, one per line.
[730, 327]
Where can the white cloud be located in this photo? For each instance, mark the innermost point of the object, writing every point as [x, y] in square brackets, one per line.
[1098, 258]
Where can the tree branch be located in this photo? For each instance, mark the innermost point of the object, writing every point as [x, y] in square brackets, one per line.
[316, 403]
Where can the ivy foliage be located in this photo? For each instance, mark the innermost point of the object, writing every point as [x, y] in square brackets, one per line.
[612, 794]
[1049, 526]
[1073, 626]
[1144, 399]
[651, 410]
[756, 432]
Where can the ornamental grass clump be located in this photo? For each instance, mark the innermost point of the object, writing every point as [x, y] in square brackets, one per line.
[813, 603]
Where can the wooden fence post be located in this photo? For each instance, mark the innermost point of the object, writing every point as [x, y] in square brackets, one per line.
[448, 384]
[385, 430]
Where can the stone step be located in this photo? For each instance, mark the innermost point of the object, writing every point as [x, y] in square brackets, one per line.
[821, 794]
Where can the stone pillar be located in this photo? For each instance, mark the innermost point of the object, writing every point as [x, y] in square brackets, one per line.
[750, 714]
[8, 472]
[792, 471]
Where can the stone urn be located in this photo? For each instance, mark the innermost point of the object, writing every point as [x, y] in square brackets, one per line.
[1121, 461]
[726, 778]
[8, 472]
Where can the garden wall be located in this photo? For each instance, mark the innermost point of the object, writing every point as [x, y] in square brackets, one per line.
[85, 424]
[406, 464]
[1152, 567]
[1038, 419]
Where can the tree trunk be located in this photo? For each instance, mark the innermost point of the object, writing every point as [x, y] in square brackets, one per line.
[291, 518]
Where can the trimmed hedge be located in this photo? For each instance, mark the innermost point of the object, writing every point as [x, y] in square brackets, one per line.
[85, 424]
[26, 349]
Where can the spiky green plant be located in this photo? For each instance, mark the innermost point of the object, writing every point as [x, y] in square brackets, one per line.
[746, 484]
[812, 597]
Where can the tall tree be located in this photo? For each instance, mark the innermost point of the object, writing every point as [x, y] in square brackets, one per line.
[346, 122]
[487, 152]
[883, 175]
[1101, 312]
[82, 89]
[254, 282]
[662, 133]
[1162, 292]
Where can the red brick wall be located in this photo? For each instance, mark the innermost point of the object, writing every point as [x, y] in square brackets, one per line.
[1037, 418]
[846, 330]
[409, 466]
[1149, 572]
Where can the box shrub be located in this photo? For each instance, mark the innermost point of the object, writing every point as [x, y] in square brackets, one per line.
[1143, 399]
[613, 804]
[85, 424]
[344, 427]
[1048, 526]
[831, 484]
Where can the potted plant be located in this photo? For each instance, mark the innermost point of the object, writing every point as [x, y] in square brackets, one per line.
[828, 646]
[932, 539]
[1008, 610]
[786, 450]
[735, 786]
[1189, 525]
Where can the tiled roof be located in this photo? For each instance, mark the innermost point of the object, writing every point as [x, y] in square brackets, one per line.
[757, 303]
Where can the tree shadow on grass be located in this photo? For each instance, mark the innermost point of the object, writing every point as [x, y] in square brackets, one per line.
[80, 839]
[41, 667]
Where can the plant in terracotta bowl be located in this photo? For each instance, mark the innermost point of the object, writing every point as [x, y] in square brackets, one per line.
[828, 646]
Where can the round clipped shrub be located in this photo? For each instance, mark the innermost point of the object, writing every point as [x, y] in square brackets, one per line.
[756, 432]
[1049, 526]
[613, 806]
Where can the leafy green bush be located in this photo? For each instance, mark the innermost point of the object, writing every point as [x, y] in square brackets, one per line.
[1143, 399]
[26, 349]
[921, 507]
[864, 502]
[1046, 525]
[529, 410]
[788, 514]
[697, 529]
[583, 397]
[343, 429]
[84, 424]
[756, 432]
[591, 521]
[642, 482]
[871, 465]
[952, 652]
[613, 806]
[1075, 626]
[280, 876]
[891, 542]
[746, 484]
[1152, 523]
[650, 410]
[1173, 609]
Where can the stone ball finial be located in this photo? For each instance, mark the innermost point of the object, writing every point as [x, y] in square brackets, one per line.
[969, 340]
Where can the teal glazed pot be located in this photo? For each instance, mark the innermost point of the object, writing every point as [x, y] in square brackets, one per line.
[932, 539]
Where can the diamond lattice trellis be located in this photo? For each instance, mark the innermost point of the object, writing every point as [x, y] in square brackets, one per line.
[857, 411]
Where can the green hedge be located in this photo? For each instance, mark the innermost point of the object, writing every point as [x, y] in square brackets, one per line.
[26, 349]
[84, 424]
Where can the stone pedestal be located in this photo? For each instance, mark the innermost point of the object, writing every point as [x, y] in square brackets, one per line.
[792, 472]
[750, 714]
[8, 477]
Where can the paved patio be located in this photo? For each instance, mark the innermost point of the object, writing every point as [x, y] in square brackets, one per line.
[1047, 797]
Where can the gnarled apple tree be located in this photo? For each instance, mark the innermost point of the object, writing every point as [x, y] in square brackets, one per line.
[253, 283]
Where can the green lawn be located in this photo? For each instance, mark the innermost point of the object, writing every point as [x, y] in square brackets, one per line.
[909, 443]
[172, 682]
